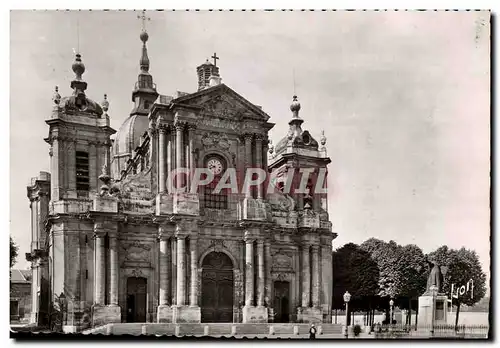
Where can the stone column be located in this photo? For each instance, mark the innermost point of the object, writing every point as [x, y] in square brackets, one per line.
[191, 151]
[258, 160]
[161, 160]
[268, 264]
[173, 264]
[107, 153]
[306, 276]
[169, 156]
[54, 168]
[260, 273]
[164, 269]
[248, 159]
[181, 270]
[265, 147]
[179, 149]
[193, 248]
[315, 276]
[100, 268]
[113, 274]
[249, 283]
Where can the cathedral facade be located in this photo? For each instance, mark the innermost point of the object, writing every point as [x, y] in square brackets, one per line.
[116, 239]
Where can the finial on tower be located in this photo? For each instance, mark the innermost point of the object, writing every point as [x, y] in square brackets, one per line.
[271, 147]
[215, 58]
[105, 103]
[105, 178]
[78, 85]
[295, 106]
[144, 62]
[144, 19]
[57, 97]
[78, 67]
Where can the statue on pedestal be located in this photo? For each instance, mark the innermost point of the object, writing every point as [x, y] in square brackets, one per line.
[435, 277]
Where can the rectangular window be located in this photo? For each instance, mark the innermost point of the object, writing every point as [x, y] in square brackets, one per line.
[214, 200]
[82, 173]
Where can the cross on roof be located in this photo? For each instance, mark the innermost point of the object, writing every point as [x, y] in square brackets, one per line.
[215, 58]
[144, 19]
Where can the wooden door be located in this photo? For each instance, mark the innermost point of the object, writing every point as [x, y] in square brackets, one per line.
[217, 289]
[136, 300]
[281, 302]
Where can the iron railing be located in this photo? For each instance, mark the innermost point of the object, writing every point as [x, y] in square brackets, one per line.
[429, 331]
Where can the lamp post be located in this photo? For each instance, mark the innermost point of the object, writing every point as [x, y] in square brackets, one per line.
[62, 303]
[433, 290]
[347, 298]
[391, 309]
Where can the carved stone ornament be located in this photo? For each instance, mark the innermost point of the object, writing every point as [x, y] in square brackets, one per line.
[215, 139]
[220, 123]
[217, 245]
[136, 251]
[281, 202]
[280, 276]
[282, 261]
[137, 272]
[222, 106]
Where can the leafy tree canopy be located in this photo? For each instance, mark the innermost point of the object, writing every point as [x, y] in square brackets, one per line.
[354, 271]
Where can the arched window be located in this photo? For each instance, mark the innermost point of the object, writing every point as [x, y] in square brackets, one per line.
[217, 165]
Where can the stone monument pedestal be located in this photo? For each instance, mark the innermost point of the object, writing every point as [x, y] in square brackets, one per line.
[427, 304]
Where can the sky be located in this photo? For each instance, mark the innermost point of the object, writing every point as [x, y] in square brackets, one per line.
[403, 98]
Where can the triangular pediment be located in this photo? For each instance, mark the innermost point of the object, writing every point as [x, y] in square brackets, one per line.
[222, 102]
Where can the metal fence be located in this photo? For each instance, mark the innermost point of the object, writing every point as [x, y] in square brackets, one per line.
[429, 331]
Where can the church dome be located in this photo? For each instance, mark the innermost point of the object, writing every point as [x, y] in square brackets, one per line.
[80, 103]
[128, 138]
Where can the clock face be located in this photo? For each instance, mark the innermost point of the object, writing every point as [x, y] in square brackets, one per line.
[215, 166]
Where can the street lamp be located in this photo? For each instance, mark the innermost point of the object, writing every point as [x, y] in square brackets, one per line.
[347, 298]
[62, 304]
[391, 308]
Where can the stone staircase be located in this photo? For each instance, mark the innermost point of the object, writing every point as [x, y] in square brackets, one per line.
[216, 329]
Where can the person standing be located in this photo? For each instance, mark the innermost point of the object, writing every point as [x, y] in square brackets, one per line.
[312, 332]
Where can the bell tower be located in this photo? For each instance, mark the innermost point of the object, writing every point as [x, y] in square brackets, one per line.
[79, 139]
[302, 167]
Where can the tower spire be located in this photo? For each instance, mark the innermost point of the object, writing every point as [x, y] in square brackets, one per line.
[296, 122]
[144, 93]
[144, 62]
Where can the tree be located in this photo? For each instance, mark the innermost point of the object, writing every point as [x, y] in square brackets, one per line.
[356, 272]
[13, 252]
[411, 276]
[402, 272]
[462, 265]
[386, 255]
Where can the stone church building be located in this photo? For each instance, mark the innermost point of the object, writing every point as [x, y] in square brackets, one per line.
[113, 241]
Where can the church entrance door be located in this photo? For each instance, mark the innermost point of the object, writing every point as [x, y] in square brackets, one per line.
[217, 289]
[282, 302]
[136, 300]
